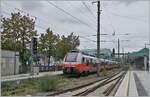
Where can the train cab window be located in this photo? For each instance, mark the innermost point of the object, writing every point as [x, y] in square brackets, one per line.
[71, 57]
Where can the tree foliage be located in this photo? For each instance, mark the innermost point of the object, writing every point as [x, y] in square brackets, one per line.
[53, 45]
[17, 29]
[17, 32]
[66, 44]
[47, 43]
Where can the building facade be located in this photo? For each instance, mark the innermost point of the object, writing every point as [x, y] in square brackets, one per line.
[9, 62]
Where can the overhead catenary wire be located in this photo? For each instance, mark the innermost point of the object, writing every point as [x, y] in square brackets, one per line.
[91, 20]
[80, 21]
[88, 9]
[56, 33]
[73, 17]
[28, 14]
[125, 16]
[45, 28]
[41, 27]
[24, 12]
[87, 38]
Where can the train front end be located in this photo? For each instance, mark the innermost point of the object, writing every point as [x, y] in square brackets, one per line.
[70, 62]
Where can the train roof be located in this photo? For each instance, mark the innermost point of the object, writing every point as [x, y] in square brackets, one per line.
[93, 57]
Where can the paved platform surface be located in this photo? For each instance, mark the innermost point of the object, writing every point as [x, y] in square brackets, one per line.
[26, 76]
[135, 83]
[123, 88]
[132, 88]
[144, 78]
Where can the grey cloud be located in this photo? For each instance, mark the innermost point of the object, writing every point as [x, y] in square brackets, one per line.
[31, 5]
[126, 2]
[69, 21]
[64, 24]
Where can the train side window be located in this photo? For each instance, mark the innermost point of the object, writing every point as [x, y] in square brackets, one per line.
[94, 64]
[87, 61]
[91, 61]
[83, 60]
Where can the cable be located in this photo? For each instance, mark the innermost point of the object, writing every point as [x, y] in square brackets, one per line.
[56, 33]
[22, 11]
[44, 28]
[93, 21]
[94, 17]
[70, 15]
[89, 9]
[128, 17]
[41, 27]
[87, 38]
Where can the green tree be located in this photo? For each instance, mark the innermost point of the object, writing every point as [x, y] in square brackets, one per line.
[17, 32]
[66, 44]
[47, 43]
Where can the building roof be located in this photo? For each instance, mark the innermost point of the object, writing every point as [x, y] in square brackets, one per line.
[141, 53]
[105, 53]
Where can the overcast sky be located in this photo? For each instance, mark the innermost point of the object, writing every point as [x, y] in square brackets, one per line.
[121, 17]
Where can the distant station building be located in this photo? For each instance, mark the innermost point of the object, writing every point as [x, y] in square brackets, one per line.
[104, 53]
[9, 64]
[140, 58]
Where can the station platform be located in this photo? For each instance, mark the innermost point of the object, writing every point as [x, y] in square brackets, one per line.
[26, 76]
[135, 83]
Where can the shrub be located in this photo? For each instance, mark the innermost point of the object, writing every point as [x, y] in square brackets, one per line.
[49, 83]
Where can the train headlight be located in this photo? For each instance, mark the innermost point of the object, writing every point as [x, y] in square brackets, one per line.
[73, 65]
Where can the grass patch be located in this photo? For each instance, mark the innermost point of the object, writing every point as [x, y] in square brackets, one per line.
[48, 83]
[52, 83]
[45, 84]
[104, 73]
[31, 86]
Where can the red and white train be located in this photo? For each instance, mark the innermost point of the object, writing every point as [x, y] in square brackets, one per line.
[76, 62]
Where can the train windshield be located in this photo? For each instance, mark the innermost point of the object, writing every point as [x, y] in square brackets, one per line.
[71, 57]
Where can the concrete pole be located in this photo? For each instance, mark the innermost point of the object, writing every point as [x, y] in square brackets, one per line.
[98, 35]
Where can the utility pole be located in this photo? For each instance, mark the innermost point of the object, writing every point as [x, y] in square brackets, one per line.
[118, 49]
[98, 35]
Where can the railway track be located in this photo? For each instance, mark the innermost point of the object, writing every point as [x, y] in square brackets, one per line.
[112, 88]
[87, 89]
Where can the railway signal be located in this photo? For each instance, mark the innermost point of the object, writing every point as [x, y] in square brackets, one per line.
[34, 45]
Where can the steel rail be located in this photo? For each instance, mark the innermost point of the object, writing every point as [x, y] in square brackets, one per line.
[88, 91]
[82, 86]
[108, 91]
